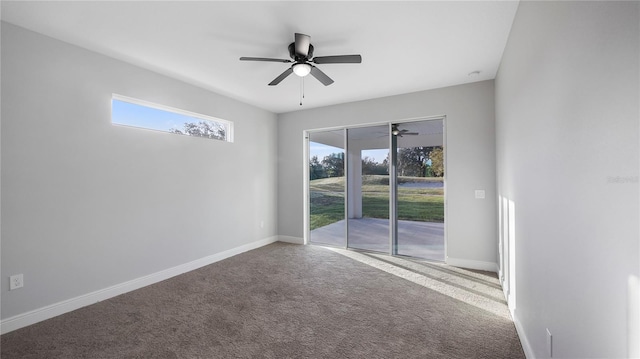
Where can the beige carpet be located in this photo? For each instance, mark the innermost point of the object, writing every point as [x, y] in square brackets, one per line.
[289, 301]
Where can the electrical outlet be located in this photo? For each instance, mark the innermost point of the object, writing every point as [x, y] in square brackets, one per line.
[16, 281]
[549, 344]
[480, 194]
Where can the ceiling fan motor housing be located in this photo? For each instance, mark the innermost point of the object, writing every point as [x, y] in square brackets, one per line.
[294, 56]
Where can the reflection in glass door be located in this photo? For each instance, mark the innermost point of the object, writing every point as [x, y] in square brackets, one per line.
[368, 188]
[327, 188]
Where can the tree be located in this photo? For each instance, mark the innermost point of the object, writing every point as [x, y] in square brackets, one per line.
[333, 165]
[421, 161]
[371, 167]
[315, 169]
[205, 129]
[437, 161]
[429, 171]
[413, 161]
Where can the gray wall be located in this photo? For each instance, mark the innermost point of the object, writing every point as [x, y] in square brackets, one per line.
[87, 205]
[567, 144]
[470, 141]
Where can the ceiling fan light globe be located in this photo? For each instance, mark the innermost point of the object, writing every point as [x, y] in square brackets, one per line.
[301, 70]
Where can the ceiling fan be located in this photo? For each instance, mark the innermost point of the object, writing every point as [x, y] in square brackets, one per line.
[397, 132]
[301, 53]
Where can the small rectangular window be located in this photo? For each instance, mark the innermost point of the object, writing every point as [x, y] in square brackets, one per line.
[137, 113]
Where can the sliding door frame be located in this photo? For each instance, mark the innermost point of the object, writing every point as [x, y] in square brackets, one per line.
[393, 185]
[393, 192]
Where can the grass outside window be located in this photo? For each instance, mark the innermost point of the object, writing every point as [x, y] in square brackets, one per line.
[414, 203]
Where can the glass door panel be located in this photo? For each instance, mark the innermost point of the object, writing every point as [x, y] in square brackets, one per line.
[420, 189]
[368, 188]
[327, 188]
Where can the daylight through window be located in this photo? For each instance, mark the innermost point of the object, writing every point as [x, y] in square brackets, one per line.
[137, 113]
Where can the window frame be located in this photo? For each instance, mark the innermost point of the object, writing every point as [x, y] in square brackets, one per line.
[228, 125]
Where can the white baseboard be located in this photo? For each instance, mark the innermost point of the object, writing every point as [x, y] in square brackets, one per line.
[526, 347]
[53, 310]
[472, 264]
[289, 239]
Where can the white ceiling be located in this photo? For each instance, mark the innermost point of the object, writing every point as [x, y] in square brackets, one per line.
[405, 46]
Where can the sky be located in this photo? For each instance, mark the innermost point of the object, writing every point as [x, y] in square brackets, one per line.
[129, 114]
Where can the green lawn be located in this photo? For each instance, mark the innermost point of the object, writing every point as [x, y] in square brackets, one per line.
[414, 204]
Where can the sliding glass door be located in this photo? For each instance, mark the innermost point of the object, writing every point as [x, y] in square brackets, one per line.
[420, 189]
[379, 188]
[327, 223]
[368, 188]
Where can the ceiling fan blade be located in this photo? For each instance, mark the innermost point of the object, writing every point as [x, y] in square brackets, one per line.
[339, 59]
[404, 131]
[282, 76]
[321, 76]
[263, 59]
[302, 44]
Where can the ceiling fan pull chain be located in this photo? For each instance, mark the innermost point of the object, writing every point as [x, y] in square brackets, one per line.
[301, 90]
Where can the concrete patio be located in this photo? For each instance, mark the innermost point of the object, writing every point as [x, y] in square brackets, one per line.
[415, 239]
